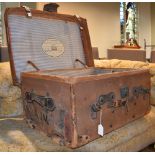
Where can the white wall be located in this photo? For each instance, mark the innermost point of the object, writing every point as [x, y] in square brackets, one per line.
[103, 21]
[145, 25]
[153, 23]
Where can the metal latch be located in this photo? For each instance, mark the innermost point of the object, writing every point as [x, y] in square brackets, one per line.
[140, 91]
[79, 19]
[45, 102]
[77, 16]
[107, 98]
[28, 11]
[112, 103]
[124, 92]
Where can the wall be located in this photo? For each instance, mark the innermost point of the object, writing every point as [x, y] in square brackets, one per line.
[103, 22]
[29, 4]
[153, 23]
[145, 25]
[102, 18]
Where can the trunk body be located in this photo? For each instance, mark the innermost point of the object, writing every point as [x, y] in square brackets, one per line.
[82, 100]
[69, 104]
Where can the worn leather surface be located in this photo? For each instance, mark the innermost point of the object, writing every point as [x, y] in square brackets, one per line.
[115, 63]
[8, 90]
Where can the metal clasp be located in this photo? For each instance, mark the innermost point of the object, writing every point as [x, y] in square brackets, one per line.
[45, 102]
[107, 98]
[28, 11]
[140, 91]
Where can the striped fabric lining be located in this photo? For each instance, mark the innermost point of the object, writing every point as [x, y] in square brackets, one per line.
[27, 36]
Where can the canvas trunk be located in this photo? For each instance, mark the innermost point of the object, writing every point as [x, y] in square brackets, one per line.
[63, 94]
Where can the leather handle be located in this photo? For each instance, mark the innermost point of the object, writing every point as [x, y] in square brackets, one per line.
[33, 65]
[77, 60]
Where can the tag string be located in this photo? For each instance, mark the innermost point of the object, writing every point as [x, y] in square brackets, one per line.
[101, 116]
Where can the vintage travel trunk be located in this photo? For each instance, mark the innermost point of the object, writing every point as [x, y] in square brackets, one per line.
[64, 95]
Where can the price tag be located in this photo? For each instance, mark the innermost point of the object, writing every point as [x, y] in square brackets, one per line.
[100, 130]
[100, 126]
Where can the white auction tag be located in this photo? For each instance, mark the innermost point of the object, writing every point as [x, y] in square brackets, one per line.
[100, 126]
[100, 130]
